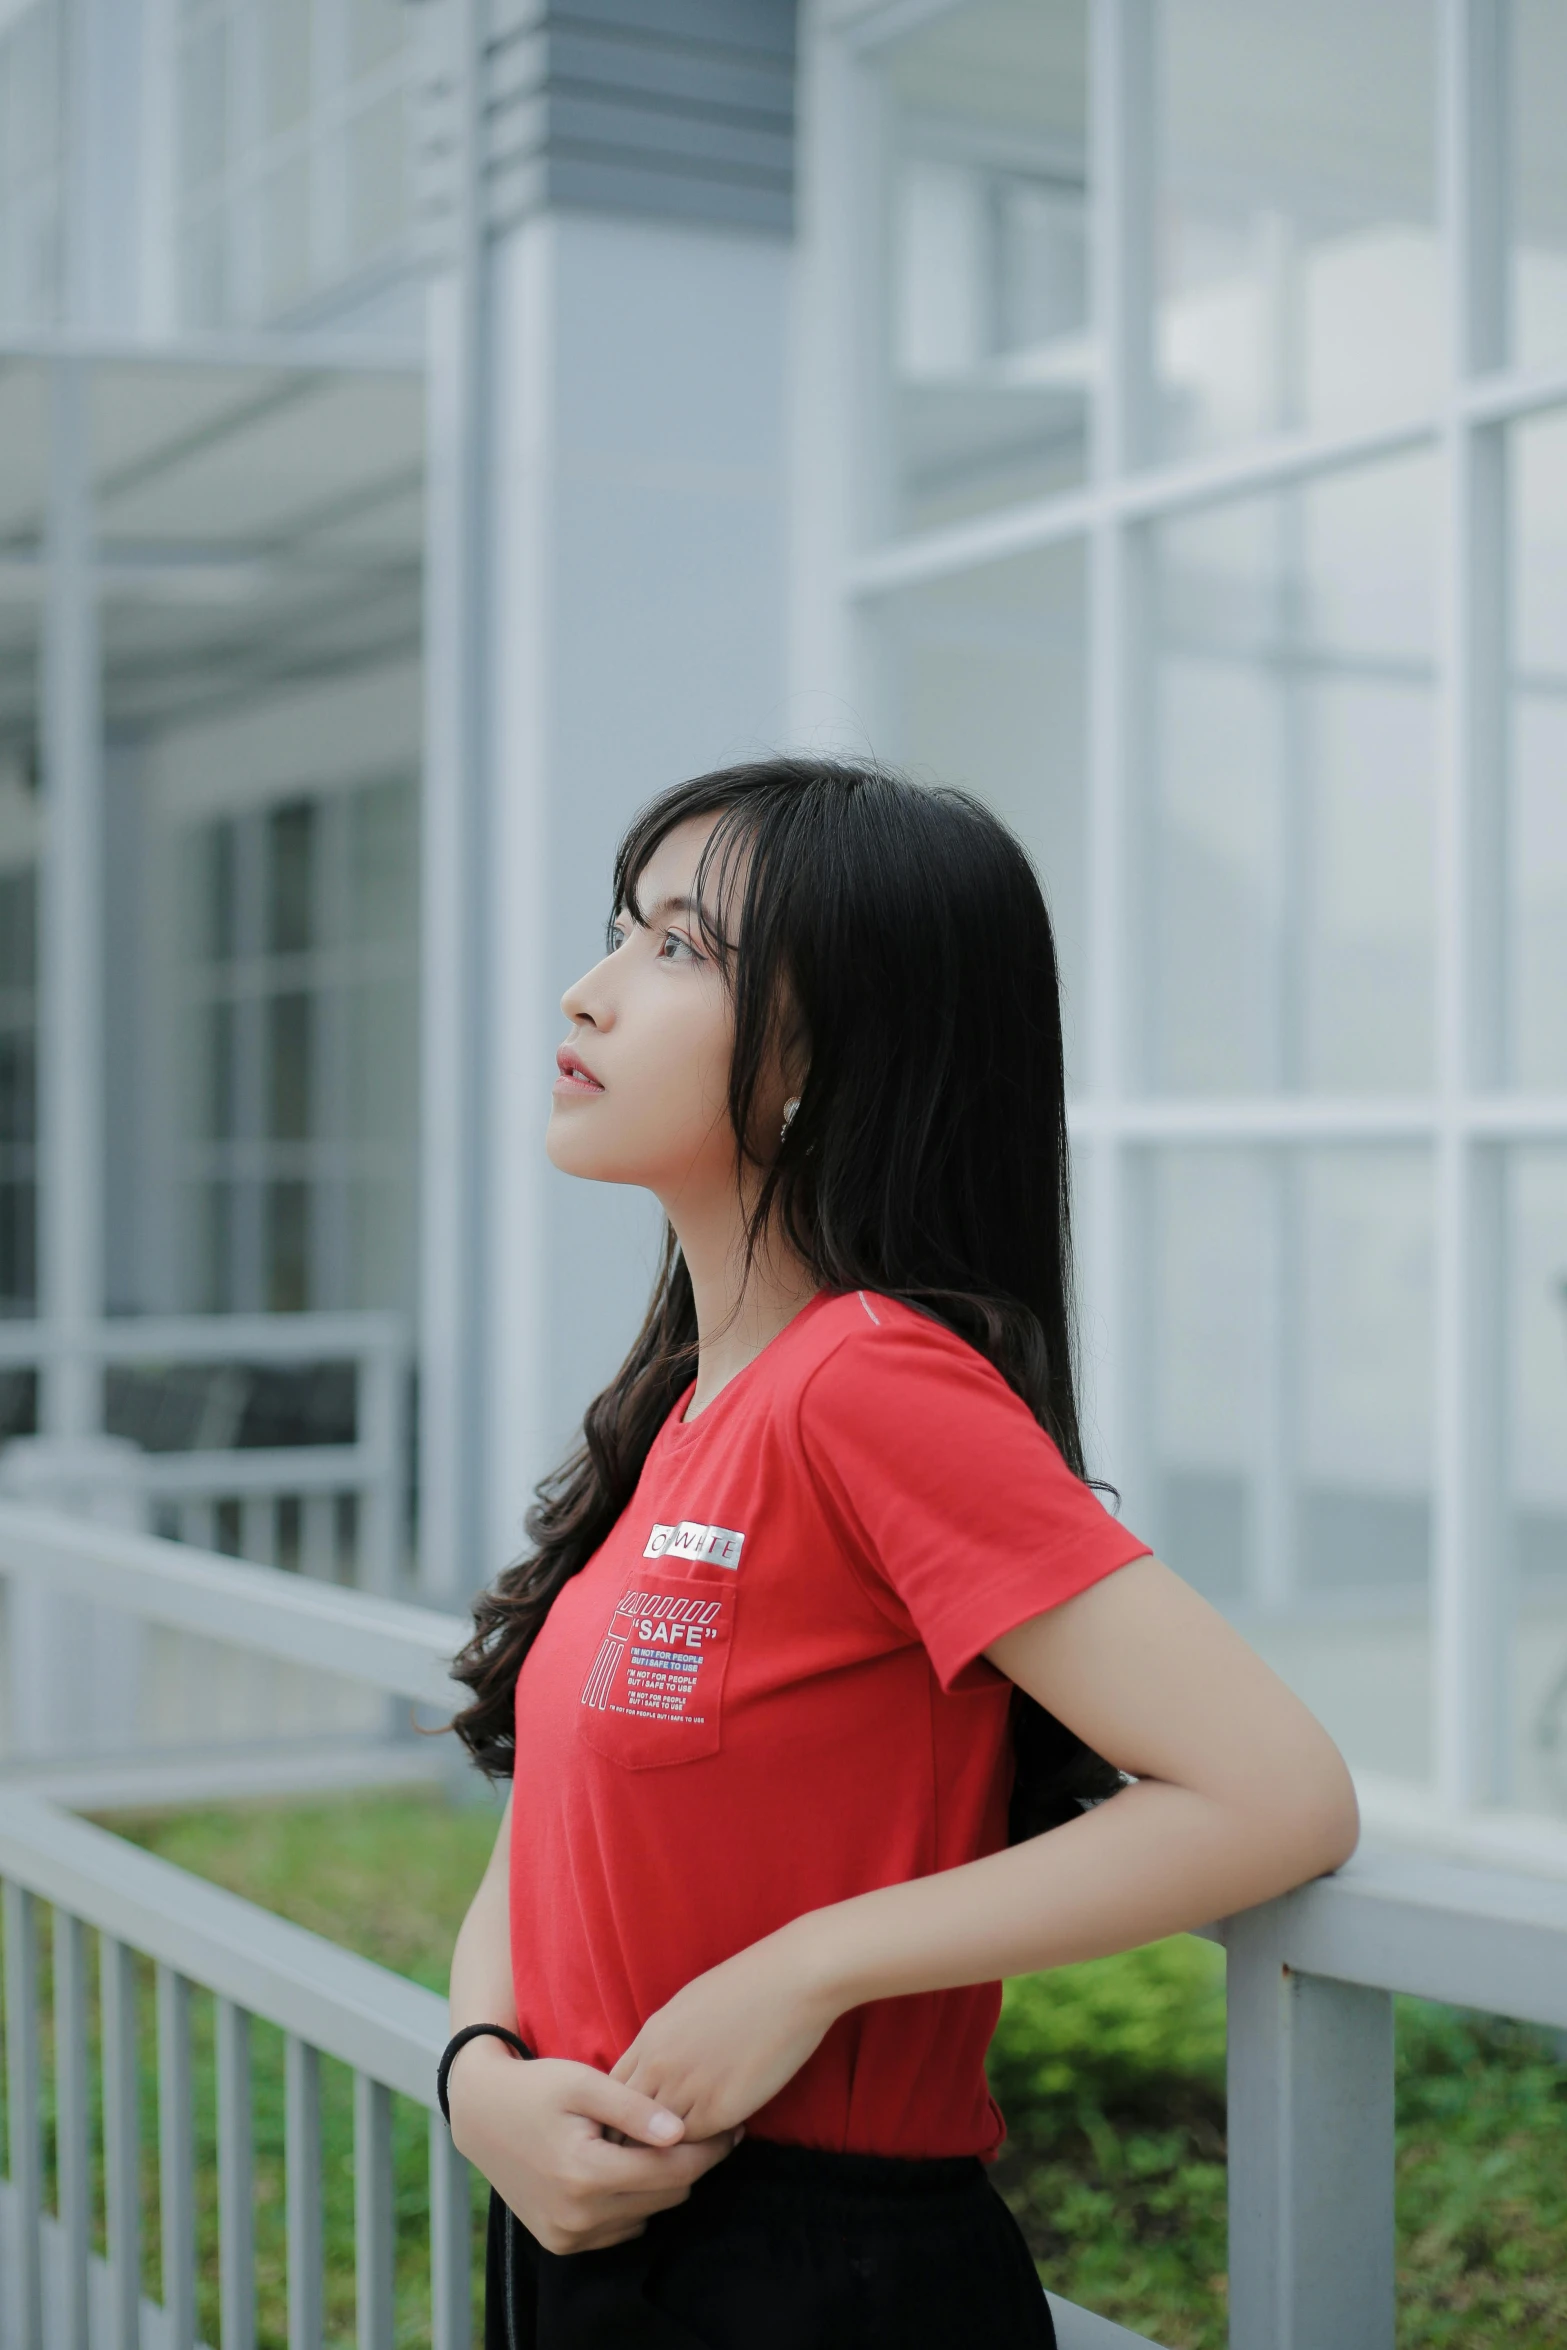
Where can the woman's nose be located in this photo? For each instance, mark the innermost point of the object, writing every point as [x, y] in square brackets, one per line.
[587, 1001]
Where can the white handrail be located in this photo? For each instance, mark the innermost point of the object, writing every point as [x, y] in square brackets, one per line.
[207, 1338]
[1471, 1937]
[390, 1645]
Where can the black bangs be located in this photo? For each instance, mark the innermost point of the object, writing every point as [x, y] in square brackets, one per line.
[719, 869]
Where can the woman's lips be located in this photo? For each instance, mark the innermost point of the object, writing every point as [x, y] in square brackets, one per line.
[575, 1075]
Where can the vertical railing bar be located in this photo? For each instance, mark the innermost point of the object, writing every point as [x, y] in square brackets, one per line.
[302, 2128]
[374, 2240]
[451, 2301]
[236, 2222]
[24, 2107]
[378, 1492]
[72, 2158]
[176, 2160]
[121, 2140]
[317, 1537]
[258, 1529]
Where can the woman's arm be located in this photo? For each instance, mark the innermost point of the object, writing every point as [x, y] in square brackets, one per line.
[1241, 1794]
[481, 1983]
[548, 2134]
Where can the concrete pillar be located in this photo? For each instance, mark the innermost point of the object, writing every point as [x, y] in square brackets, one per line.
[624, 324]
[73, 1672]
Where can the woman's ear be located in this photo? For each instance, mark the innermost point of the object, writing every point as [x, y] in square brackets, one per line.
[794, 1055]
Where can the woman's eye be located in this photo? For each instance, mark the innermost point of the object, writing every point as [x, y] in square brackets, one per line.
[682, 947]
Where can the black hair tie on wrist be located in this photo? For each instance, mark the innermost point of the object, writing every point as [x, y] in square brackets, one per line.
[461, 2040]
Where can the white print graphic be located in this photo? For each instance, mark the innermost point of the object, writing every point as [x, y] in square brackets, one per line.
[716, 1546]
[667, 1634]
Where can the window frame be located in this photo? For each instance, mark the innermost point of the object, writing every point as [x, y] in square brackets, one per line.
[1468, 1117]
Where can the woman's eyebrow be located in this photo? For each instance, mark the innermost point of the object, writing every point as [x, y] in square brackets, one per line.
[667, 906]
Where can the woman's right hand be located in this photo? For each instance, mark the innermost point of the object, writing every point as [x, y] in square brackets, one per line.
[581, 2159]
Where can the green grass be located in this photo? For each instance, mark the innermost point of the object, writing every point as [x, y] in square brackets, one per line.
[1112, 2078]
[1111, 2075]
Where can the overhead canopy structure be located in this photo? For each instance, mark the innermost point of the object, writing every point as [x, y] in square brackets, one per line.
[254, 527]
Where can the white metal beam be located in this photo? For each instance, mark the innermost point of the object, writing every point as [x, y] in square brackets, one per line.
[70, 946]
[1471, 1582]
[1120, 98]
[404, 1650]
[452, 862]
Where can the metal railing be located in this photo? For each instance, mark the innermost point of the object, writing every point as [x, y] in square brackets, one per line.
[1311, 1980]
[326, 2001]
[270, 1501]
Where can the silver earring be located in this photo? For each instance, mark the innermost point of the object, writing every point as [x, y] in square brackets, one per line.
[789, 1109]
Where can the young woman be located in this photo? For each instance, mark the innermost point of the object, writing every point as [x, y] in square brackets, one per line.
[822, 1626]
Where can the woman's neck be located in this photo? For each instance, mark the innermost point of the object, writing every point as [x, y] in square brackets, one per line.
[738, 1310]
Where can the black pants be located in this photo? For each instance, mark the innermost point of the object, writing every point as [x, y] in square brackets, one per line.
[784, 2248]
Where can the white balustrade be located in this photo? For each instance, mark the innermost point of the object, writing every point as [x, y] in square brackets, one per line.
[185, 1490]
[1310, 1985]
[53, 2291]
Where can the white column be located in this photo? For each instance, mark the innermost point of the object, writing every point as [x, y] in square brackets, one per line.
[70, 1110]
[1116, 1365]
[452, 1559]
[637, 634]
[1472, 1607]
[608, 614]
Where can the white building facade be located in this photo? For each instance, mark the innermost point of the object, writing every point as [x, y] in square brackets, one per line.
[426, 430]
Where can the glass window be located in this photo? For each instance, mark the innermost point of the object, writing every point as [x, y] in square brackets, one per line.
[1298, 267]
[1290, 1421]
[204, 102]
[377, 175]
[987, 277]
[1212, 1365]
[1537, 152]
[30, 133]
[982, 686]
[1260, 1273]
[294, 150]
[376, 31]
[264, 689]
[1536, 931]
[285, 27]
[298, 974]
[282, 200]
[1289, 841]
[1537, 1419]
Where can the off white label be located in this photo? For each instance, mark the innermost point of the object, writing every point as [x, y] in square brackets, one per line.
[715, 1546]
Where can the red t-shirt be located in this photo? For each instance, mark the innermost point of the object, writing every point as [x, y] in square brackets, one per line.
[764, 1693]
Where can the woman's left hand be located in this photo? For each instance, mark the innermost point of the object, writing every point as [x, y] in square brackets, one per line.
[728, 2042]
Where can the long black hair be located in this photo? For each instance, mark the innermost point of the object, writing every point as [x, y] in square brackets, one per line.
[893, 938]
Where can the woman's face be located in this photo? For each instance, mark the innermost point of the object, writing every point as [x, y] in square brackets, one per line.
[642, 1094]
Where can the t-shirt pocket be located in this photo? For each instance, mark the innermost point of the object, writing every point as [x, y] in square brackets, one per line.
[654, 1690]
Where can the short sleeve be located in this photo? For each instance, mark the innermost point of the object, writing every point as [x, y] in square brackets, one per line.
[952, 1497]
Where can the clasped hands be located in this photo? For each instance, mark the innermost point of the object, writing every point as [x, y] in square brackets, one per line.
[726, 2044]
[585, 2158]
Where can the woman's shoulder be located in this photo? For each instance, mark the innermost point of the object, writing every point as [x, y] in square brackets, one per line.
[863, 1341]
